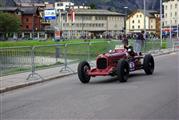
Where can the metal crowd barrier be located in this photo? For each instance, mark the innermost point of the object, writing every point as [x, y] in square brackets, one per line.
[176, 45]
[21, 59]
[13, 59]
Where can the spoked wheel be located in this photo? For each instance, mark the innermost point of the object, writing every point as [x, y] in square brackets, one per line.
[83, 67]
[123, 70]
[149, 64]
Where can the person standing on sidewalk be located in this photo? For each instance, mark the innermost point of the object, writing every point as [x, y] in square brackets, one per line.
[139, 42]
[125, 40]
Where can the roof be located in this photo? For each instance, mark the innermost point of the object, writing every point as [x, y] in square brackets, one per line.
[25, 10]
[28, 10]
[96, 12]
[8, 8]
[29, 2]
[149, 13]
[5, 3]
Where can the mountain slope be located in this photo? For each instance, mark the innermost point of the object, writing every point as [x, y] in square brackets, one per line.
[116, 5]
[119, 4]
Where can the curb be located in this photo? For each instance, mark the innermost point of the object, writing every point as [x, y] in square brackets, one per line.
[55, 77]
[32, 83]
[156, 55]
[163, 53]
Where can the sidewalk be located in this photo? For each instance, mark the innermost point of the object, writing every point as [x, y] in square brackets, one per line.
[16, 81]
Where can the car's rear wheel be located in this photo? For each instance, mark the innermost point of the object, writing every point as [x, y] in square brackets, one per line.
[83, 68]
[149, 64]
[122, 70]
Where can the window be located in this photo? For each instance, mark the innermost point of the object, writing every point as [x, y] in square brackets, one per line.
[151, 27]
[138, 21]
[27, 26]
[140, 15]
[59, 4]
[166, 7]
[138, 26]
[137, 16]
[27, 20]
[133, 21]
[165, 14]
[133, 27]
[175, 5]
[170, 6]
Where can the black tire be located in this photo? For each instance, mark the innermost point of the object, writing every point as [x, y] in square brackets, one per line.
[122, 70]
[82, 72]
[149, 64]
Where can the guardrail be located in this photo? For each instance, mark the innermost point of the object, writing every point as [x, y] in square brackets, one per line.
[22, 59]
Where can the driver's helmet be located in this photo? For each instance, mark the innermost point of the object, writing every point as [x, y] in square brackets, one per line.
[130, 50]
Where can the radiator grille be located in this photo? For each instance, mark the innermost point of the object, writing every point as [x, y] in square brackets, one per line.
[102, 63]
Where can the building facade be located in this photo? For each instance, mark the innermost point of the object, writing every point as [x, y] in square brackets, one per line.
[171, 14]
[62, 6]
[31, 22]
[90, 22]
[135, 22]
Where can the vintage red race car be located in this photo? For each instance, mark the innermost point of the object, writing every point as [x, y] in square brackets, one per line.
[118, 62]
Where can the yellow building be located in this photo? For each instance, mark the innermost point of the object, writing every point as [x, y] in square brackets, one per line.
[135, 21]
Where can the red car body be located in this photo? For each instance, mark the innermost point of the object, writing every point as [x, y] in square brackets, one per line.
[116, 62]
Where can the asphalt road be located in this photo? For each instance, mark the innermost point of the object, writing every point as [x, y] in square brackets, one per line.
[141, 98]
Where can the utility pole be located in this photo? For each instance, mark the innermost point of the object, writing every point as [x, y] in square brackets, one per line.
[33, 21]
[125, 19]
[170, 21]
[161, 23]
[177, 19]
[144, 19]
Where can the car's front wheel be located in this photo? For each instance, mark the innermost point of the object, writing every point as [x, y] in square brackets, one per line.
[83, 68]
[122, 70]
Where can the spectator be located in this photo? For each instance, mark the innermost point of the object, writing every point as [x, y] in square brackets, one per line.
[125, 40]
[139, 42]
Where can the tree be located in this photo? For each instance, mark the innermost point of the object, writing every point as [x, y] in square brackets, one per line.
[92, 6]
[0, 3]
[113, 9]
[9, 23]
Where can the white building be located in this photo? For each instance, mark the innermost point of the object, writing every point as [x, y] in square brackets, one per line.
[62, 6]
[171, 13]
[135, 21]
[81, 7]
[92, 22]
